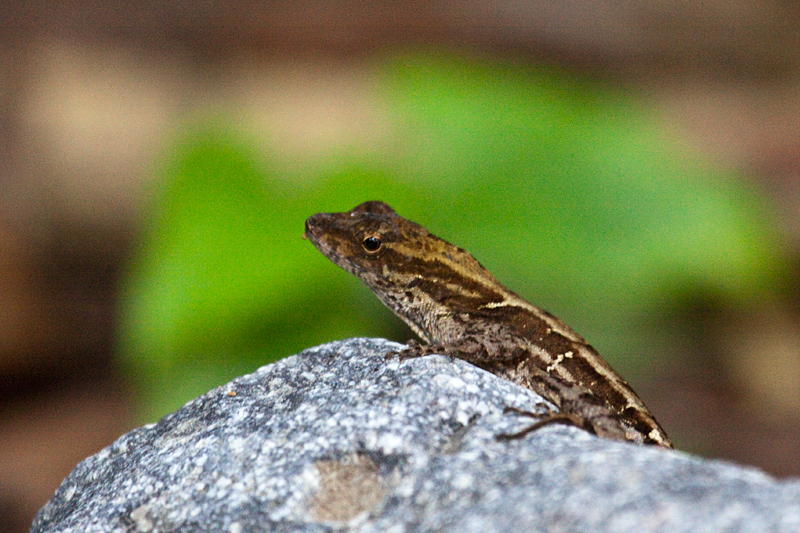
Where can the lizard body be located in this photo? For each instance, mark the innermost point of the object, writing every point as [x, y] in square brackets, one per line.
[457, 307]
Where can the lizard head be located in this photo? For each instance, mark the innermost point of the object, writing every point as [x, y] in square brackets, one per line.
[416, 274]
[365, 240]
[396, 258]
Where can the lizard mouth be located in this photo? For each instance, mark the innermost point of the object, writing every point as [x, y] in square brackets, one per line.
[319, 243]
[322, 242]
[308, 234]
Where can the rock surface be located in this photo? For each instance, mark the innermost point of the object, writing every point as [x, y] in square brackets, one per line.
[336, 438]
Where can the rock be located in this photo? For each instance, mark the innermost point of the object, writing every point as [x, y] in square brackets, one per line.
[336, 438]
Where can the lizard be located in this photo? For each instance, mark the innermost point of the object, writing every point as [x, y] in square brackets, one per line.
[460, 310]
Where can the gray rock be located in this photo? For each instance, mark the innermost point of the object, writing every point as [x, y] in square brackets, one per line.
[336, 438]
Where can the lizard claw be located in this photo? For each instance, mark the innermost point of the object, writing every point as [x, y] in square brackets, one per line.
[391, 355]
[415, 349]
[545, 419]
[412, 350]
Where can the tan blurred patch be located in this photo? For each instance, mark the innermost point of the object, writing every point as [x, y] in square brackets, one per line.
[94, 118]
[764, 351]
[301, 112]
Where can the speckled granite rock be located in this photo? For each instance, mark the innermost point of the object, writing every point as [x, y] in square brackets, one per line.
[335, 438]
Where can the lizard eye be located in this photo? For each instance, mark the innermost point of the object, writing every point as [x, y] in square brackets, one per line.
[371, 244]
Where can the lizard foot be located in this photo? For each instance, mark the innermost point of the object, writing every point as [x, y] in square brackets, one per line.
[545, 419]
[415, 349]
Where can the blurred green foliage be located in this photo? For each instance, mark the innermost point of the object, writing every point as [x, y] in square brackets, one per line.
[565, 189]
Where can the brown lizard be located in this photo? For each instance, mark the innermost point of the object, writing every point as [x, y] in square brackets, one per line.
[462, 311]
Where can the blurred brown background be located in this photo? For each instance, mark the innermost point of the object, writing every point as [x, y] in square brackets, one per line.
[88, 91]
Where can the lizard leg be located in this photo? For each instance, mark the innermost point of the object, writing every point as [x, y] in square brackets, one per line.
[545, 419]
